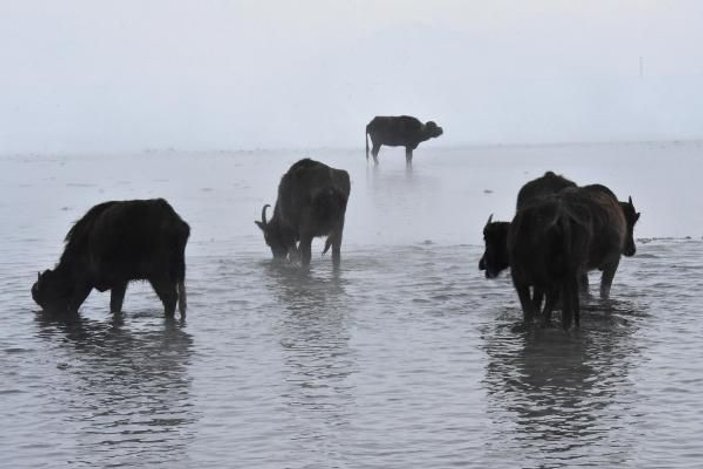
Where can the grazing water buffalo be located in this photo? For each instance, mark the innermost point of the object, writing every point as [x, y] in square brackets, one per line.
[495, 234]
[399, 131]
[312, 201]
[113, 243]
[555, 241]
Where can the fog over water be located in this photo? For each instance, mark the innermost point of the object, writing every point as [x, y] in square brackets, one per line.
[406, 356]
[212, 75]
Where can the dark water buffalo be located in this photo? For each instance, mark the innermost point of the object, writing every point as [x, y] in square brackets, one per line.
[549, 183]
[631, 217]
[113, 243]
[312, 201]
[399, 131]
[495, 234]
[495, 256]
[555, 241]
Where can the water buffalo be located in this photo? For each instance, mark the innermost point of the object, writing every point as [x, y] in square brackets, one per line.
[495, 256]
[113, 243]
[555, 241]
[312, 201]
[631, 217]
[495, 234]
[549, 183]
[399, 131]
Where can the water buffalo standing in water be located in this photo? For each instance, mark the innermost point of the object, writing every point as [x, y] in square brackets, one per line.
[399, 131]
[495, 256]
[312, 201]
[112, 244]
[495, 234]
[555, 241]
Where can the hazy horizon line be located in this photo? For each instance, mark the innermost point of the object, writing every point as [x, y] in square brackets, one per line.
[361, 148]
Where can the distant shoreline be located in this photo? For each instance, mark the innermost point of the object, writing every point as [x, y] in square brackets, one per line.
[439, 146]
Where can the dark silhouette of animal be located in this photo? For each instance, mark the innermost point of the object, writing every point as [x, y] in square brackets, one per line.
[495, 256]
[554, 241]
[495, 234]
[399, 131]
[549, 183]
[112, 244]
[631, 217]
[312, 202]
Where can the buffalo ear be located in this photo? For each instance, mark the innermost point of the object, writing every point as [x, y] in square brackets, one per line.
[260, 225]
[637, 216]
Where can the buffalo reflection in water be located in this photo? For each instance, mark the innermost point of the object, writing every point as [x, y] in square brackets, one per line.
[128, 390]
[564, 393]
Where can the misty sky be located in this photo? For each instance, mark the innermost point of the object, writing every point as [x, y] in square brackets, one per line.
[122, 75]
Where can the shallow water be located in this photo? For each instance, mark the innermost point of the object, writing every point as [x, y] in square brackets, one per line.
[405, 357]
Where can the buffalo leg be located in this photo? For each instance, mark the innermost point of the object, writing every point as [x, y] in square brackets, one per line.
[551, 299]
[583, 284]
[79, 295]
[304, 249]
[117, 297]
[570, 303]
[337, 247]
[374, 151]
[537, 297]
[408, 156]
[606, 280]
[166, 290]
[523, 293]
[182, 301]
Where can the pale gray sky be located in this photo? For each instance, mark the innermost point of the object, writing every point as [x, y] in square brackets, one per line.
[92, 75]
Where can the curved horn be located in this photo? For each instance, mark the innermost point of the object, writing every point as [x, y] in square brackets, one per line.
[38, 276]
[263, 214]
[629, 200]
[490, 219]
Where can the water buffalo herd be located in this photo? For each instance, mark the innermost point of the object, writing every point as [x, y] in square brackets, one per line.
[559, 233]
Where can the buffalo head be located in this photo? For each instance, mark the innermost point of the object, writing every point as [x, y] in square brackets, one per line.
[432, 130]
[53, 291]
[273, 236]
[631, 217]
[495, 257]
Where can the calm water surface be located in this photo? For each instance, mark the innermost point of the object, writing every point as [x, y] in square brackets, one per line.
[405, 357]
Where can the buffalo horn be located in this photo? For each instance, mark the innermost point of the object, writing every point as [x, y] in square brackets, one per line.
[263, 214]
[629, 200]
[490, 219]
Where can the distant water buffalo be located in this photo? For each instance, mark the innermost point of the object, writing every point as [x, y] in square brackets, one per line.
[114, 243]
[554, 241]
[495, 234]
[312, 201]
[399, 131]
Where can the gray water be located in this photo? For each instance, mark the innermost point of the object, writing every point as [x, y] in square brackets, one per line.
[405, 357]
